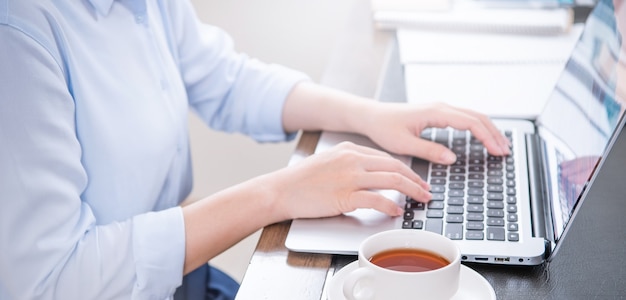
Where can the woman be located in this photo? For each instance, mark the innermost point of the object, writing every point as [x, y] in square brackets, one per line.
[94, 162]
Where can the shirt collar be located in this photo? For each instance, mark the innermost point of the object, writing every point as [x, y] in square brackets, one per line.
[102, 6]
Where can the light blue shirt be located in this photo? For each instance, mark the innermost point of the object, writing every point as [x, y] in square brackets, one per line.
[94, 147]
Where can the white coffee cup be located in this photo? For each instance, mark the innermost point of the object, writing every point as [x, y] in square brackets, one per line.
[372, 282]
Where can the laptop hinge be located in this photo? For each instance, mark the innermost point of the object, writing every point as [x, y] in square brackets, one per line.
[539, 203]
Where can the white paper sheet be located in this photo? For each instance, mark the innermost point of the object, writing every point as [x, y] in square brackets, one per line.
[499, 75]
[516, 90]
[424, 46]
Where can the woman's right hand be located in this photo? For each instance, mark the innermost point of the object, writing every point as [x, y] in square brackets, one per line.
[342, 179]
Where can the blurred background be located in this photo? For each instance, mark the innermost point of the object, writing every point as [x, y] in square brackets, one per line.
[296, 33]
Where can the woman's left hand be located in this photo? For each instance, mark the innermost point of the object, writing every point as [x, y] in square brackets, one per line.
[397, 128]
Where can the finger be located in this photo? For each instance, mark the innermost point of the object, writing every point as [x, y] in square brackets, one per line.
[432, 151]
[361, 149]
[393, 165]
[374, 200]
[480, 126]
[394, 181]
[502, 142]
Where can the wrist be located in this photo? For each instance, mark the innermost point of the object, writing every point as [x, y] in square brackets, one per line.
[362, 116]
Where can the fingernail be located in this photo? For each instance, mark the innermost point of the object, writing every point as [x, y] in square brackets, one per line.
[448, 158]
[399, 211]
[505, 150]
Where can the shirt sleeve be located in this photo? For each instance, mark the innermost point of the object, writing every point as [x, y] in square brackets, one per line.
[229, 90]
[52, 245]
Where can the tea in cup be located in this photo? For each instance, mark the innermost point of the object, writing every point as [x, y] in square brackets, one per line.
[405, 264]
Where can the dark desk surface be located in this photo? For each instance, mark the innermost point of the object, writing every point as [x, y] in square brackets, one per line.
[591, 263]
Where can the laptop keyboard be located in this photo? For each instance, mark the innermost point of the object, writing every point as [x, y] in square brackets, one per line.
[474, 198]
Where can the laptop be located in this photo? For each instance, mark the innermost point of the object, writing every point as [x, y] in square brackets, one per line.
[510, 210]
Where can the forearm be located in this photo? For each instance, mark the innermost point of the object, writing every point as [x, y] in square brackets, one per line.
[314, 107]
[215, 223]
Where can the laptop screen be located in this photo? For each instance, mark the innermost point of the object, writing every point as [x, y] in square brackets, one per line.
[584, 109]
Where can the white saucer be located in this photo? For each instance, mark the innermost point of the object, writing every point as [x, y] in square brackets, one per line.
[471, 285]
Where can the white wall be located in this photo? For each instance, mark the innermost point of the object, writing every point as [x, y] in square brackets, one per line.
[297, 33]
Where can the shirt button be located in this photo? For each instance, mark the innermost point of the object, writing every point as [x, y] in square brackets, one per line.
[139, 19]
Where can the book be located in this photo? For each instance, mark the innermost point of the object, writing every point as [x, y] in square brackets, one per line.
[410, 5]
[494, 20]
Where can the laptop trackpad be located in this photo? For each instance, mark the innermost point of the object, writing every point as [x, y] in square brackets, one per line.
[341, 234]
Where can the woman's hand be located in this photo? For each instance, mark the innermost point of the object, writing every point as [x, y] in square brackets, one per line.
[397, 128]
[342, 179]
[394, 126]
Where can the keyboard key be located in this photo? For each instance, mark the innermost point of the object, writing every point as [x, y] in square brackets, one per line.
[435, 226]
[475, 184]
[495, 196]
[457, 170]
[441, 136]
[435, 205]
[495, 213]
[476, 169]
[495, 222]
[418, 224]
[456, 185]
[437, 197]
[475, 192]
[474, 235]
[456, 201]
[454, 231]
[414, 205]
[438, 174]
[437, 188]
[495, 180]
[511, 208]
[494, 166]
[439, 167]
[512, 227]
[456, 193]
[457, 178]
[492, 188]
[434, 213]
[454, 218]
[475, 200]
[407, 224]
[495, 234]
[513, 236]
[475, 208]
[455, 210]
[495, 204]
[475, 226]
[476, 176]
[475, 217]
[438, 181]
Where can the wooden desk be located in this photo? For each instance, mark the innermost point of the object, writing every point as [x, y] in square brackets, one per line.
[590, 265]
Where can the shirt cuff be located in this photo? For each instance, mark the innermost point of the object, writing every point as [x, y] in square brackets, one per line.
[159, 251]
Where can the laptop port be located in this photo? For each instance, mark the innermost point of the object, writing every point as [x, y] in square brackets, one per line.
[481, 258]
[503, 259]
